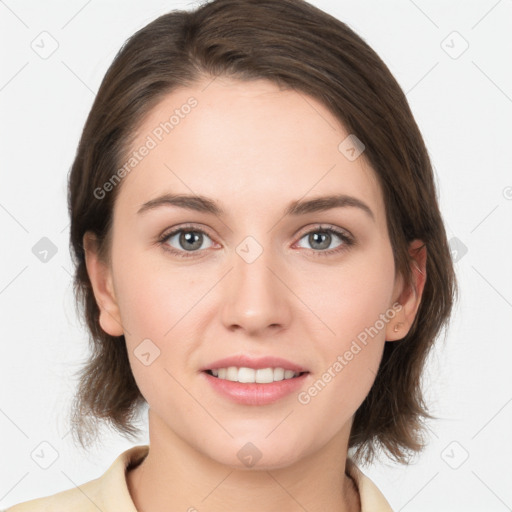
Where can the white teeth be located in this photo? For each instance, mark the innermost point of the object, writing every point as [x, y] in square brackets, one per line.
[232, 373]
[246, 375]
[264, 375]
[278, 373]
[288, 374]
[250, 375]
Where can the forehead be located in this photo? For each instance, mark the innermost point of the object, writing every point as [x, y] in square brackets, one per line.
[243, 142]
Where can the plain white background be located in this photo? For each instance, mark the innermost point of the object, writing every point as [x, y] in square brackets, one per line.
[453, 61]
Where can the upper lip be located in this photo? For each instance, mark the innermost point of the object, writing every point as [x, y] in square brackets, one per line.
[254, 362]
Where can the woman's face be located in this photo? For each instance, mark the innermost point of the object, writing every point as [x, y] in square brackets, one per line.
[249, 275]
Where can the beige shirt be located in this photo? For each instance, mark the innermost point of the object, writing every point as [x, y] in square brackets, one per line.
[109, 493]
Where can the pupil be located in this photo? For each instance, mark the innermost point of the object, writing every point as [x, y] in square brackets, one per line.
[190, 239]
[314, 238]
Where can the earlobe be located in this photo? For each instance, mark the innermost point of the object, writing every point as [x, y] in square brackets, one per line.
[409, 297]
[100, 276]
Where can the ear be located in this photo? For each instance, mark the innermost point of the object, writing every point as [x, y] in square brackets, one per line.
[100, 276]
[409, 297]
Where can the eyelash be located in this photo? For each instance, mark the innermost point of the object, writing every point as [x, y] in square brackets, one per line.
[348, 241]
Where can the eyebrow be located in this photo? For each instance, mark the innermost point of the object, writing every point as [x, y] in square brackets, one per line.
[204, 204]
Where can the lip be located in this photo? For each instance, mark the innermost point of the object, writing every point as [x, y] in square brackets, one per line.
[257, 363]
[255, 393]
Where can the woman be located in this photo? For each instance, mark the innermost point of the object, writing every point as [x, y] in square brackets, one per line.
[261, 259]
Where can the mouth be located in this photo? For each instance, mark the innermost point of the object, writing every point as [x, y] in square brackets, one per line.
[255, 381]
[248, 375]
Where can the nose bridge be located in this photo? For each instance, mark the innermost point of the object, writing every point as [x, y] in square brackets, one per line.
[255, 298]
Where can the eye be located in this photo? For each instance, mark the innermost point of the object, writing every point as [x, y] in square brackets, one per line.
[189, 241]
[184, 240]
[321, 239]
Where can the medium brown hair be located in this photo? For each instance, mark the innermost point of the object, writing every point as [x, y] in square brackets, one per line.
[299, 47]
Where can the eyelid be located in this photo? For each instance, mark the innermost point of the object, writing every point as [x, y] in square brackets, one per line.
[185, 227]
[321, 226]
[169, 232]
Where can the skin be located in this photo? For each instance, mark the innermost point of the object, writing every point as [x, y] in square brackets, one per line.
[253, 148]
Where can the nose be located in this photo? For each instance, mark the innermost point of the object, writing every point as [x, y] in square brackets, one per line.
[255, 298]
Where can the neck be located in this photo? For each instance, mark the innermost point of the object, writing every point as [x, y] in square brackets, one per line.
[176, 477]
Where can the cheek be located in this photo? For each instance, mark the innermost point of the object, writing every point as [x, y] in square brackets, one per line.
[353, 297]
[349, 359]
[152, 297]
[356, 311]
[158, 305]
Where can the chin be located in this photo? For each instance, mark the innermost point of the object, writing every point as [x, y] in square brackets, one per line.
[257, 453]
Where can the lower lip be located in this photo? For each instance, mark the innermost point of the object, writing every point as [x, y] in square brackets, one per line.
[255, 393]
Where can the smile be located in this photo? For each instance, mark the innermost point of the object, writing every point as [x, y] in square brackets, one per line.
[250, 375]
